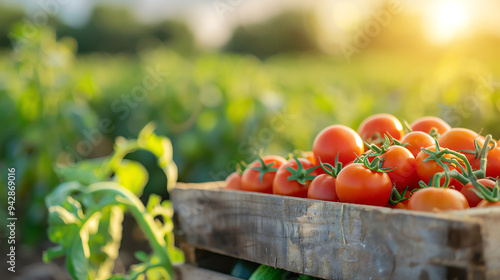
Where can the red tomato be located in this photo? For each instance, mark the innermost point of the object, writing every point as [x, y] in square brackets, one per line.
[405, 174]
[417, 140]
[426, 124]
[358, 184]
[337, 139]
[250, 180]
[233, 181]
[283, 186]
[459, 139]
[323, 187]
[486, 203]
[493, 165]
[433, 199]
[471, 196]
[373, 128]
[426, 170]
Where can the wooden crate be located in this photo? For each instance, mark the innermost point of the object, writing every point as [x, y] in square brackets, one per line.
[336, 240]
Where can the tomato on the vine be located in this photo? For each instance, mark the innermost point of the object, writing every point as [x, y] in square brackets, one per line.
[373, 128]
[417, 140]
[294, 177]
[426, 124]
[233, 181]
[405, 174]
[258, 178]
[358, 184]
[485, 203]
[434, 199]
[460, 140]
[471, 196]
[323, 187]
[337, 140]
[426, 170]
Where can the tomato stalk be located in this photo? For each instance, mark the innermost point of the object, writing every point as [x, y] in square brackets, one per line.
[406, 126]
[396, 197]
[468, 174]
[486, 193]
[434, 132]
[329, 169]
[438, 157]
[301, 175]
[398, 143]
[263, 168]
[376, 165]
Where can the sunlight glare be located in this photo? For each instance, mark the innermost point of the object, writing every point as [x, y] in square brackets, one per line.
[448, 19]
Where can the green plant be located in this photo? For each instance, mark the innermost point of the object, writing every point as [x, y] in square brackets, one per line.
[86, 212]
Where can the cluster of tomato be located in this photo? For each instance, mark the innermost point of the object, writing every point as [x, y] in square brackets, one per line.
[432, 167]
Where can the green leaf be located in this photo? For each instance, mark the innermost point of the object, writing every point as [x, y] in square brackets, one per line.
[85, 172]
[158, 145]
[306, 277]
[80, 251]
[61, 192]
[141, 255]
[265, 272]
[104, 244]
[64, 220]
[161, 147]
[131, 175]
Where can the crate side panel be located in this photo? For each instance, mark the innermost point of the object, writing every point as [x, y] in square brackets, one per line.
[328, 240]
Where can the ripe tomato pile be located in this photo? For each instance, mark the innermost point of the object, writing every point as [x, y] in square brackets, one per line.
[425, 166]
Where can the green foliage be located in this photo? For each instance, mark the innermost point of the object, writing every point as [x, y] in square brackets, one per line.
[264, 272]
[288, 32]
[111, 28]
[86, 214]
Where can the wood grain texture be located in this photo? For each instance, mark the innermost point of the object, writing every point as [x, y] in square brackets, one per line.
[189, 272]
[335, 240]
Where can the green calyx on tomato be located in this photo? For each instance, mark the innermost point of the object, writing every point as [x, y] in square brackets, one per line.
[301, 175]
[263, 168]
[397, 197]
[436, 181]
[486, 193]
[406, 126]
[376, 165]
[329, 169]
[376, 150]
[481, 152]
[434, 132]
[457, 162]
[467, 174]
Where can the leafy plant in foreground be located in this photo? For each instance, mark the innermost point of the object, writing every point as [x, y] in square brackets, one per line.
[86, 212]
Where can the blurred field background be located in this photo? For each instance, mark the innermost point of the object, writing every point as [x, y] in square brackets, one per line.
[227, 78]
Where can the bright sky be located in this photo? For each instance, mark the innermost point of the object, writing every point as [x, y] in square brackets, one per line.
[213, 20]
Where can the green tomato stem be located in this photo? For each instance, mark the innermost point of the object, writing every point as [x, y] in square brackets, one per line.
[144, 220]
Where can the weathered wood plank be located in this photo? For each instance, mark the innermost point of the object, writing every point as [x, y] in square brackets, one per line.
[189, 272]
[490, 231]
[332, 240]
